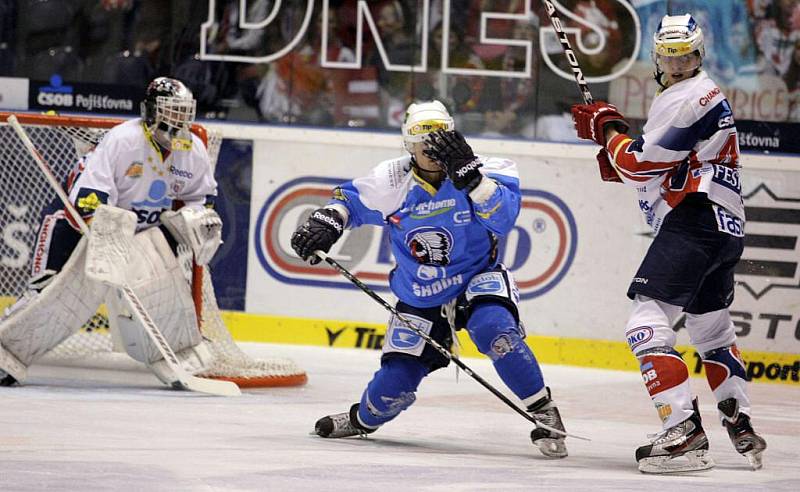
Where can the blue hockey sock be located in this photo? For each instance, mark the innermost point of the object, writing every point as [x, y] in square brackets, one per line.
[391, 390]
[494, 330]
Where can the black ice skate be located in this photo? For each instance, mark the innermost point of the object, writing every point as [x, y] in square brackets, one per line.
[6, 379]
[341, 425]
[681, 448]
[744, 438]
[549, 443]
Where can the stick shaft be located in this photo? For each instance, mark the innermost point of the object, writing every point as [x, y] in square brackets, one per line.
[583, 87]
[433, 343]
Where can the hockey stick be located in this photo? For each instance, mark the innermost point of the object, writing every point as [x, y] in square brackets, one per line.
[433, 343]
[570, 54]
[183, 380]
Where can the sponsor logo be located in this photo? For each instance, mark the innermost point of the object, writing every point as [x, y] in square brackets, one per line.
[431, 208]
[430, 272]
[436, 287]
[181, 173]
[640, 280]
[463, 170]
[404, 338]
[727, 177]
[59, 95]
[639, 336]
[323, 217]
[135, 170]
[752, 140]
[770, 258]
[539, 250]
[156, 196]
[16, 251]
[710, 96]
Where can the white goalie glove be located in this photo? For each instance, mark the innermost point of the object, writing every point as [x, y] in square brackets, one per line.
[201, 230]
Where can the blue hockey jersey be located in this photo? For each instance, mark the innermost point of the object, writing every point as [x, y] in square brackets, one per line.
[439, 238]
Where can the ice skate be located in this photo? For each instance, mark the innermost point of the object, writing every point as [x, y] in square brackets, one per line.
[546, 412]
[681, 448]
[341, 425]
[6, 379]
[744, 439]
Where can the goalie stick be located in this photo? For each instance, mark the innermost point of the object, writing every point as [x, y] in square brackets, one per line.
[183, 380]
[433, 343]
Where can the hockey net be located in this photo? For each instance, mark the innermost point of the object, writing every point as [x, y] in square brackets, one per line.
[24, 193]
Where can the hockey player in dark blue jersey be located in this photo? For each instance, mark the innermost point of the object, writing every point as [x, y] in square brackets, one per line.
[445, 208]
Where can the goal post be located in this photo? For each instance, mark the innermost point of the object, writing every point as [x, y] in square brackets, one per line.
[24, 193]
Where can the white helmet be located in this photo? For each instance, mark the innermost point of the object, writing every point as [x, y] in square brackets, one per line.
[423, 118]
[168, 109]
[677, 36]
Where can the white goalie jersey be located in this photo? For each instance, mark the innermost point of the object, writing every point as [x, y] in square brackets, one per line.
[128, 170]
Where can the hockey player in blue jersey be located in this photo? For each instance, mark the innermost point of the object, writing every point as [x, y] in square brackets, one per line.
[685, 169]
[445, 208]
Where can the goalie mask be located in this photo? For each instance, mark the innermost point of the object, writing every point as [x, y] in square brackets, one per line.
[423, 118]
[677, 46]
[168, 111]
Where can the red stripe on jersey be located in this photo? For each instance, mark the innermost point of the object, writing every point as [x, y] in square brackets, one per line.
[627, 163]
[662, 372]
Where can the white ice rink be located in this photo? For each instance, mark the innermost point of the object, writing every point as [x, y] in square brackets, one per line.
[121, 431]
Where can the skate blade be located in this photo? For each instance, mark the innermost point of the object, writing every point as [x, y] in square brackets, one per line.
[552, 448]
[690, 461]
[754, 458]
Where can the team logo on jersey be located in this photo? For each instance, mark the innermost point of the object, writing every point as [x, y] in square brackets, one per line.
[538, 251]
[430, 245]
[135, 170]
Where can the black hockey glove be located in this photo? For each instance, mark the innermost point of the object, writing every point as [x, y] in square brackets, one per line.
[449, 149]
[321, 230]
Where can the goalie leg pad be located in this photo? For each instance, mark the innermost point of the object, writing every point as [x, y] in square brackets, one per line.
[40, 321]
[157, 279]
[391, 390]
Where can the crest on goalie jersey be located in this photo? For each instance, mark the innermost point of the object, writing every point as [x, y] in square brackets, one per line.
[430, 245]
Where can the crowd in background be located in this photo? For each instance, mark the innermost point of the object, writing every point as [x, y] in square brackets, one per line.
[127, 42]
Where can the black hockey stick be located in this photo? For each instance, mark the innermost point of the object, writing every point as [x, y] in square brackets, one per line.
[433, 343]
[570, 54]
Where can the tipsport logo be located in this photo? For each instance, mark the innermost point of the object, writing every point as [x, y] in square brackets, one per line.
[539, 250]
[771, 253]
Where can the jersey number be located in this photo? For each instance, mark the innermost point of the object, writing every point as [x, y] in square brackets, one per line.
[729, 154]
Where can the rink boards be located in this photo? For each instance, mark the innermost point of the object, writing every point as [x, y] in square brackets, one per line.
[577, 244]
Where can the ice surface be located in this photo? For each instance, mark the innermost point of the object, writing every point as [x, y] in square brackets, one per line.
[79, 429]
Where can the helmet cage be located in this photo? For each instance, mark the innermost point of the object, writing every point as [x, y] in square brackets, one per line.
[176, 113]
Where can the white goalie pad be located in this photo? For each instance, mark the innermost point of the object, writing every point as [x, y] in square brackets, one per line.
[155, 276]
[110, 243]
[40, 321]
[201, 230]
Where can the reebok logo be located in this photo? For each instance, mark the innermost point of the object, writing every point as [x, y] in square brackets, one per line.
[328, 220]
[462, 171]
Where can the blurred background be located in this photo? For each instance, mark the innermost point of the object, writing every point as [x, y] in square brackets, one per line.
[350, 64]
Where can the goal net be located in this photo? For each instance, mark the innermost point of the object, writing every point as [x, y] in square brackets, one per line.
[24, 193]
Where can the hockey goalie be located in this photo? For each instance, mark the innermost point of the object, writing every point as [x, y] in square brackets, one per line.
[153, 174]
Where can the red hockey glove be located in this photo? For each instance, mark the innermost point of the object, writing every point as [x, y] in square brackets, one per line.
[607, 171]
[590, 120]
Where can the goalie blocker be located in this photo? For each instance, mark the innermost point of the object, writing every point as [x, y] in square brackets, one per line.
[40, 320]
